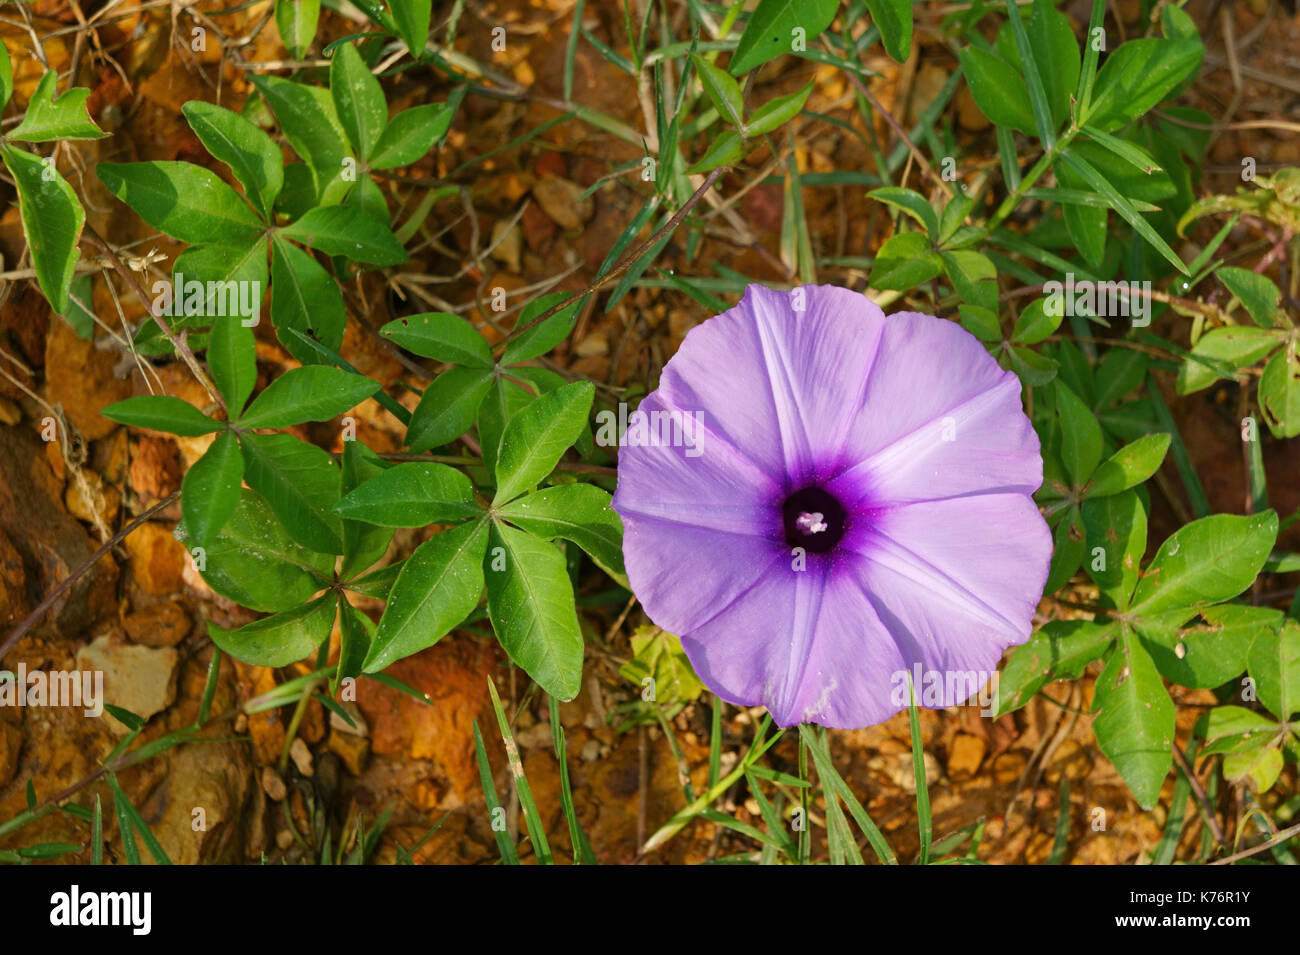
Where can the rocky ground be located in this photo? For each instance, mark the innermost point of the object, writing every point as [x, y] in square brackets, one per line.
[138, 614]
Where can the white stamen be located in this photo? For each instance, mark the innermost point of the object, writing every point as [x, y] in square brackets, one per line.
[810, 523]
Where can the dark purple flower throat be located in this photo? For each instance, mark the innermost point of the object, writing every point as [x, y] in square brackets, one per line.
[814, 520]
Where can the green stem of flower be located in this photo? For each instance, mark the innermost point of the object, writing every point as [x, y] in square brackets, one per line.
[1044, 163]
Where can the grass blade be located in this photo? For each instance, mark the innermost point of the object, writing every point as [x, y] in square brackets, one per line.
[504, 845]
[582, 854]
[532, 817]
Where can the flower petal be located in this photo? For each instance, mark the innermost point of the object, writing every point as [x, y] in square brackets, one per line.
[929, 370]
[956, 582]
[806, 645]
[783, 385]
[697, 530]
[984, 444]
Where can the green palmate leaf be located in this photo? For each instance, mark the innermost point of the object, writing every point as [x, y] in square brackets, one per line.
[1086, 225]
[536, 437]
[1225, 350]
[999, 90]
[52, 219]
[1081, 443]
[504, 399]
[1069, 544]
[722, 90]
[301, 484]
[541, 338]
[1135, 719]
[162, 413]
[253, 561]
[309, 393]
[1117, 537]
[250, 153]
[347, 231]
[299, 192]
[354, 643]
[448, 407]
[358, 99]
[973, 276]
[412, 133]
[904, 262]
[307, 118]
[1206, 653]
[304, 297]
[1139, 75]
[186, 201]
[232, 359]
[1207, 561]
[1032, 368]
[980, 322]
[48, 118]
[1279, 393]
[577, 512]
[1258, 767]
[1274, 663]
[411, 17]
[210, 491]
[363, 544]
[441, 336]
[1059, 651]
[296, 20]
[223, 279]
[530, 602]
[1232, 729]
[658, 656]
[1121, 370]
[911, 202]
[1123, 206]
[894, 18]
[777, 112]
[281, 638]
[1129, 466]
[953, 233]
[1034, 324]
[1256, 293]
[727, 148]
[377, 583]
[369, 198]
[439, 584]
[776, 26]
[412, 495]
[1245, 738]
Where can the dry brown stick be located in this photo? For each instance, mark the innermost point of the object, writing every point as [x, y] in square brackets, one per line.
[1281, 837]
[900, 132]
[35, 616]
[1201, 798]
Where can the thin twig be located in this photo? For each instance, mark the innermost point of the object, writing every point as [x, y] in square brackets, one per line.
[1202, 799]
[1281, 837]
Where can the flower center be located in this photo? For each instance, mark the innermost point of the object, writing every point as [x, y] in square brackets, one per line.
[814, 520]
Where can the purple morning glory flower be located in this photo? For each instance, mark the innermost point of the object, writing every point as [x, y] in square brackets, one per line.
[819, 499]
